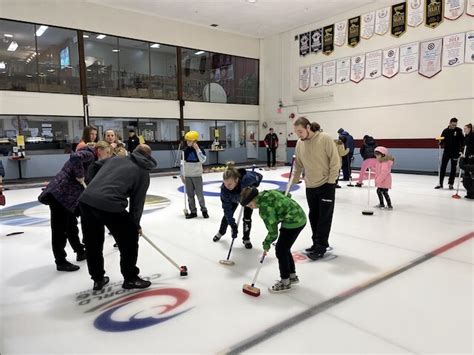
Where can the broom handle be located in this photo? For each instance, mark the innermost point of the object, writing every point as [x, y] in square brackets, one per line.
[184, 178]
[238, 222]
[259, 268]
[159, 250]
[288, 185]
[368, 189]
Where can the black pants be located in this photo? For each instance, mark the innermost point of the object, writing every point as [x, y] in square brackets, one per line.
[321, 208]
[247, 221]
[63, 228]
[271, 155]
[444, 164]
[381, 193]
[125, 232]
[283, 251]
[468, 184]
[346, 166]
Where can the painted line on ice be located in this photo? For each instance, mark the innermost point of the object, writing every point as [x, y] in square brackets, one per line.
[343, 296]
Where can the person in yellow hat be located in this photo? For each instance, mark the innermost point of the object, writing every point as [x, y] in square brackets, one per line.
[194, 157]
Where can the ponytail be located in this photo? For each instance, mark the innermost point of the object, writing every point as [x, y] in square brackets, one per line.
[304, 122]
[230, 171]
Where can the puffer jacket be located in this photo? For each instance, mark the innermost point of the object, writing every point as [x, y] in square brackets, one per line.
[367, 150]
[383, 169]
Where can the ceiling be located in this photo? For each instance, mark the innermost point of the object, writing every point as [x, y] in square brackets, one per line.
[261, 19]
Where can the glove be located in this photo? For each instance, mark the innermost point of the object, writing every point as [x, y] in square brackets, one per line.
[266, 246]
[234, 230]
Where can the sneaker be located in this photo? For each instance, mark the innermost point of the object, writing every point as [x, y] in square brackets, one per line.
[247, 243]
[310, 249]
[451, 187]
[98, 285]
[359, 184]
[274, 168]
[280, 287]
[217, 237]
[135, 283]
[67, 266]
[294, 280]
[338, 186]
[205, 214]
[438, 187]
[81, 256]
[191, 215]
[389, 207]
[316, 255]
[379, 206]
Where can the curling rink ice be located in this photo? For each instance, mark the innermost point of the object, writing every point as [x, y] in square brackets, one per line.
[402, 281]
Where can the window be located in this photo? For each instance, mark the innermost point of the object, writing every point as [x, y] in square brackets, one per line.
[102, 64]
[18, 61]
[121, 126]
[195, 71]
[43, 134]
[231, 133]
[163, 72]
[134, 68]
[58, 60]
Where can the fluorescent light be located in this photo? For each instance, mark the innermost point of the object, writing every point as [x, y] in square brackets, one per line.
[12, 47]
[252, 1]
[85, 36]
[101, 36]
[155, 45]
[115, 50]
[199, 52]
[41, 30]
[8, 35]
[3, 65]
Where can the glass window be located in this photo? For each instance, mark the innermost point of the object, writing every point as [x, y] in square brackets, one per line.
[43, 134]
[18, 62]
[163, 72]
[102, 64]
[121, 126]
[134, 68]
[231, 133]
[58, 60]
[195, 71]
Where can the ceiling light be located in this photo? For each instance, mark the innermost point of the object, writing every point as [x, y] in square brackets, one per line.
[85, 36]
[41, 30]
[101, 36]
[12, 47]
[8, 35]
[252, 1]
[199, 52]
[155, 45]
[115, 50]
[3, 65]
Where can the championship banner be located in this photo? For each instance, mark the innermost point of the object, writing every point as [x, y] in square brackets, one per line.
[382, 21]
[316, 41]
[391, 63]
[304, 79]
[329, 73]
[357, 68]
[398, 19]
[343, 70]
[373, 64]
[304, 43]
[316, 75]
[453, 9]
[433, 13]
[353, 31]
[409, 57]
[415, 12]
[340, 35]
[368, 25]
[469, 53]
[430, 57]
[470, 7]
[328, 39]
[453, 50]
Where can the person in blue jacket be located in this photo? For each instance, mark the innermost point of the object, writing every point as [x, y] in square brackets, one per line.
[234, 182]
[347, 159]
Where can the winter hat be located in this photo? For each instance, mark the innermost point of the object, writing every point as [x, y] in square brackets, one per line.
[340, 130]
[382, 150]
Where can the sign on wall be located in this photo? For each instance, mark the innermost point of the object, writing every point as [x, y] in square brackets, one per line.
[453, 9]
[316, 75]
[353, 34]
[390, 62]
[469, 52]
[470, 7]
[357, 68]
[316, 40]
[304, 79]
[343, 70]
[430, 57]
[304, 43]
[453, 50]
[368, 25]
[373, 64]
[382, 21]
[329, 73]
[409, 57]
[328, 39]
[398, 19]
[433, 13]
[340, 35]
[415, 12]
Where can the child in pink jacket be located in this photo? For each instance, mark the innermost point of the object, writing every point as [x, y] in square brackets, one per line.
[383, 177]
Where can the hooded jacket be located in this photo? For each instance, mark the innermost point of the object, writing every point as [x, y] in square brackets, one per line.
[232, 197]
[383, 169]
[64, 187]
[367, 151]
[119, 179]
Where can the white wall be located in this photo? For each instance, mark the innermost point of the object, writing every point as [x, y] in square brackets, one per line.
[406, 106]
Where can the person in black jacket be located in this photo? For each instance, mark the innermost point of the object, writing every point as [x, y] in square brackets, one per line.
[452, 143]
[271, 143]
[367, 152]
[469, 140]
[467, 164]
[104, 202]
[133, 141]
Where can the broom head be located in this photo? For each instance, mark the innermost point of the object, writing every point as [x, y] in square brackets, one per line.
[251, 291]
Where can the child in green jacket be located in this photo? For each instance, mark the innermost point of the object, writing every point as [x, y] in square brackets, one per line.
[275, 208]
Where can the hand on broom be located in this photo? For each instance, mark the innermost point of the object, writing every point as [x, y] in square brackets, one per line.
[235, 231]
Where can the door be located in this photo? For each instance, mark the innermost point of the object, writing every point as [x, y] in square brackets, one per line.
[280, 130]
[251, 140]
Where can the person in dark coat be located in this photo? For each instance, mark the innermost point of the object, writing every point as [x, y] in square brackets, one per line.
[271, 143]
[235, 180]
[62, 196]
[104, 203]
[133, 141]
[367, 152]
[467, 165]
[469, 139]
[348, 140]
[452, 143]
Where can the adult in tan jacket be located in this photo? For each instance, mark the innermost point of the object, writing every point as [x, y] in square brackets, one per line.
[317, 154]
